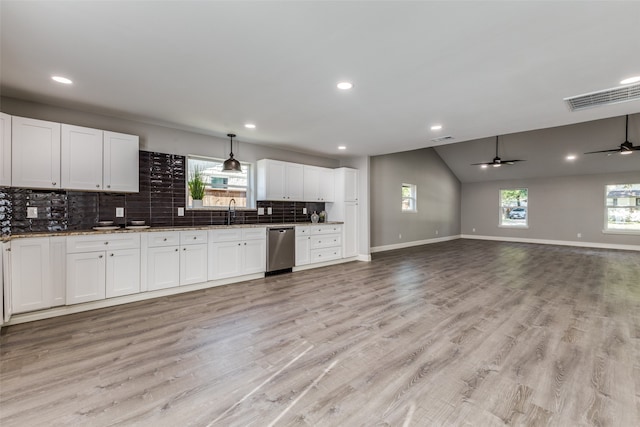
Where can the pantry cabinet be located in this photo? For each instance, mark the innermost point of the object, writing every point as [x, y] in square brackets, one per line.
[237, 252]
[346, 209]
[5, 150]
[280, 180]
[35, 153]
[102, 266]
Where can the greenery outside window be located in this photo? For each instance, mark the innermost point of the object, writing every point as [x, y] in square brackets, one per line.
[219, 186]
[622, 206]
[409, 198]
[514, 207]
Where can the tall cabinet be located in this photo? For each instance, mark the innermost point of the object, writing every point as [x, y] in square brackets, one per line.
[5, 150]
[346, 208]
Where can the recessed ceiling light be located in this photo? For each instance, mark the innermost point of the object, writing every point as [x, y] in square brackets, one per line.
[345, 85]
[436, 127]
[634, 79]
[61, 79]
[249, 125]
[342, 147]
[571, 157]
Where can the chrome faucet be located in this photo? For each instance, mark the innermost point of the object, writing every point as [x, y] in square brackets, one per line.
[231, 210]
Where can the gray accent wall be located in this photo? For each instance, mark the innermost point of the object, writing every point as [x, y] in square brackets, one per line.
[559, 208]
[438, 198]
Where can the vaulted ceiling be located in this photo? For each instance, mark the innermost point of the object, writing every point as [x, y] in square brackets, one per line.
[478, 68]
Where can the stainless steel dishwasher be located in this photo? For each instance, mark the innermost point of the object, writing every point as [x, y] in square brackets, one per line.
[281, 248]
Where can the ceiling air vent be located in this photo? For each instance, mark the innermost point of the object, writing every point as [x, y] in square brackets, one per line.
[442, 138]
[604, 97]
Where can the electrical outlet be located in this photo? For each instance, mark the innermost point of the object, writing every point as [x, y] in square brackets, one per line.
[579, 235]
[119, 212]
[269, 210]
[304, 211]
[437, 232]
[32, 212]
[399, 236]
[260, 211]
[473, 229]
[180, 211]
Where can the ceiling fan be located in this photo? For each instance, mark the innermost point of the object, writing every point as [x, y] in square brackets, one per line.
[625, 148]
[497, 161]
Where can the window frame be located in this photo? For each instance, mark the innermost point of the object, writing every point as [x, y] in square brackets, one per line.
[615, 204]
[413, 199]
[518, 226]
[246, 166]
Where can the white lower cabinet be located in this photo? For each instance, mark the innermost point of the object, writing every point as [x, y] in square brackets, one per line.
[176, 258]
[6, 276]
[30, 275]
[323, 243]
[237, 252]
[102, 266]
[303, 245]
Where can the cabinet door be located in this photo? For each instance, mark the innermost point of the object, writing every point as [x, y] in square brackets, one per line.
[226, 260]
[351, 185]
[326, 185]
[163, 267]
[311, 184]
[121, 166]
[6, 275]
[294, 177]
[350, 227]
[255, 256]
[30, 275]
[275, 181]
[122, 273]
[302, 250]
[5, 150]
[35, 153]
[85, 277]
[81, 158]
[58, 264]
[193, 264]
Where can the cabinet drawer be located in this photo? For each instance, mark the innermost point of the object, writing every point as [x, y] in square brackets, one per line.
[326, 254]
[78, 244]
[254, 233]
[303, 231]
[156, 240]
[325, 229]
[193, 237]
[326, 241]
[226, 235]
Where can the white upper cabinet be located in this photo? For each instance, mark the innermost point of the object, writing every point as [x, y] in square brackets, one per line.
[5, 150]
[318, 184]
[81, 163]
[120, 162]
[280, 180]
[350, 185]
[35, 153]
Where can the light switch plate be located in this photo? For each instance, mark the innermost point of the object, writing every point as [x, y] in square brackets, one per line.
[180, 211]
[304, 211]
[32, 212]
[119, 212]
[260, 211]
[269, 210]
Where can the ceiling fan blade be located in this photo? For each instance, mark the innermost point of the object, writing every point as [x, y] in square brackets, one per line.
[510, 162]
[616, 150]
[478, 164]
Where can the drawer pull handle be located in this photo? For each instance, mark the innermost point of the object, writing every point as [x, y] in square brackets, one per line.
[195, 237]
[53, 183]
[184, 249]
[106, 243]
[111, 255]
[97, 185]
[100, 256]
[165, 239]
[176, 249]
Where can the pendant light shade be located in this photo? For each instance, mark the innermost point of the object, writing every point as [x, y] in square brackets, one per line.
[231, 164]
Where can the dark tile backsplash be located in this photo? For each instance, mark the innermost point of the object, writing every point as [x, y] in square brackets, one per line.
[162, 191]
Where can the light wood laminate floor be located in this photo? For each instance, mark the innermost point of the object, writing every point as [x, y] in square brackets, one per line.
[456, 333]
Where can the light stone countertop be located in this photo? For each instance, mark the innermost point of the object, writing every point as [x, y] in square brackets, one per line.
[156, 229]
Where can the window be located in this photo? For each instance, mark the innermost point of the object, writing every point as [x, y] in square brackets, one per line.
[409, 198]
[514, 207]
[220, 187]
[622, 205]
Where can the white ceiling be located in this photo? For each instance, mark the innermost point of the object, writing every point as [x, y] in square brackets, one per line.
[478, 68]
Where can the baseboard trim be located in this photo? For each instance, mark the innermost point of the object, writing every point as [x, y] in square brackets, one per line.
[364, 258]
[413, 243]
[324, 263]
[555, 242]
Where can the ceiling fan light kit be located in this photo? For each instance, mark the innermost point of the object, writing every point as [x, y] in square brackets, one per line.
[497, 161]
[625, 148]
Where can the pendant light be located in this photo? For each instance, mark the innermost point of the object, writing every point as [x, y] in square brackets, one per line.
[231, 164]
